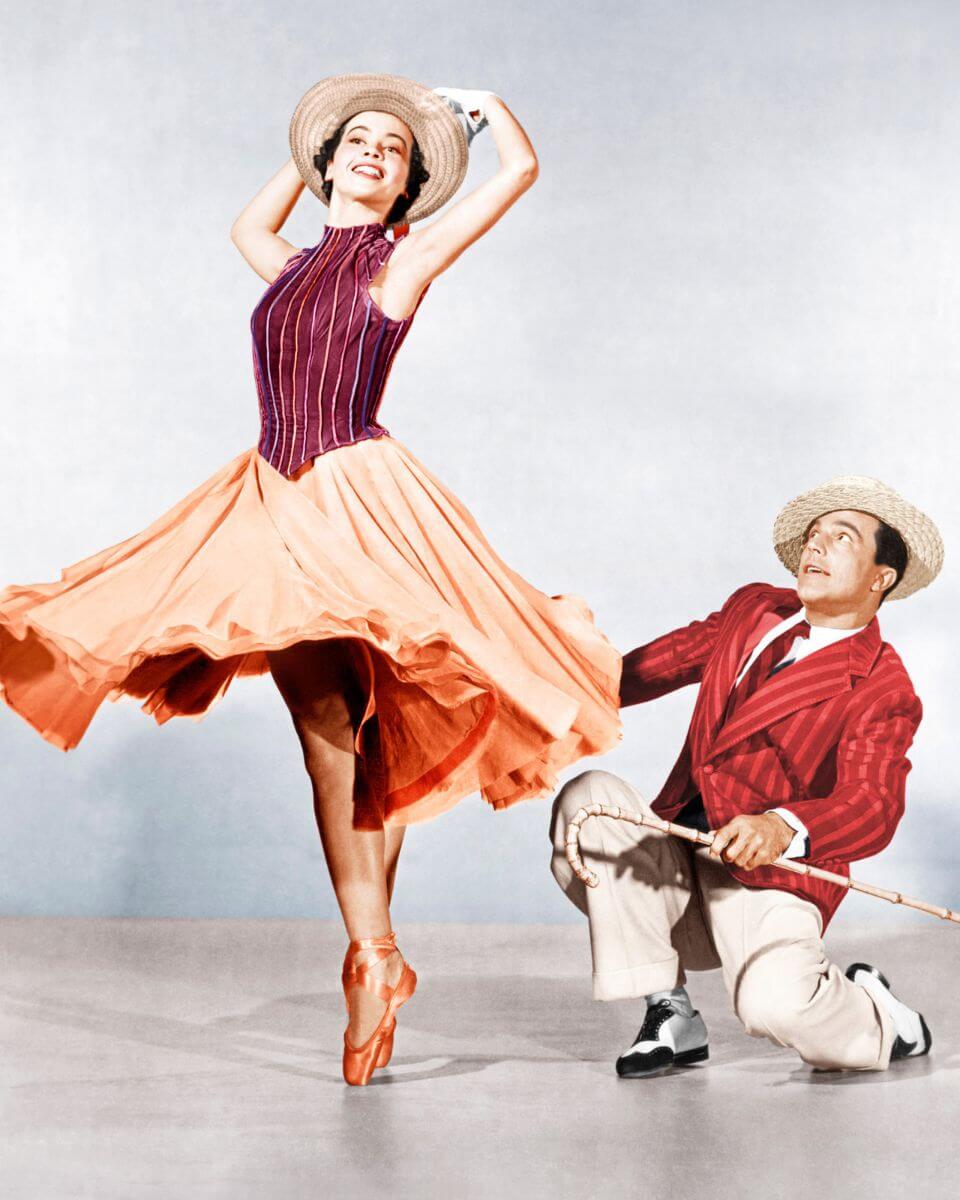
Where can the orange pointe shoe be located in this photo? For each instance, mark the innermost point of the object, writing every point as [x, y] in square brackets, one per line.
[359, 1062]
[386, 1046]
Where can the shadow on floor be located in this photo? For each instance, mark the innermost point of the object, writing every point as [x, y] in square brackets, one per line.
[494, 1019]
[469, 1024]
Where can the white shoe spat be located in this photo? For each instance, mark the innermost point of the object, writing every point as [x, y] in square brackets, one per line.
[906, 1021]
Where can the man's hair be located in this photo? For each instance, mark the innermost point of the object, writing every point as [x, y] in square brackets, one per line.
[891, 551]
[417, 175]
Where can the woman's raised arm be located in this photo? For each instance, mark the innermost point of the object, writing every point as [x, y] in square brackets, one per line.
[426, 253]
[254, 232]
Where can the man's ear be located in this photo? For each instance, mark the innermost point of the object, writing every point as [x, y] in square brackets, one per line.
[885, 578]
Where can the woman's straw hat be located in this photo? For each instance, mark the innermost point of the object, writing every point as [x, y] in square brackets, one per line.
[862, 494]
[432, 122]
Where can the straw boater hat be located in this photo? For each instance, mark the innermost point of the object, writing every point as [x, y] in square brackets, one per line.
[439, 134]
[859, 492]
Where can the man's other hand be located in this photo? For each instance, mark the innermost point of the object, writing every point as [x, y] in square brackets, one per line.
[751, 842]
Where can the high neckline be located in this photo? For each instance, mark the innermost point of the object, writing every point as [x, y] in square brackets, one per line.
[357, 230]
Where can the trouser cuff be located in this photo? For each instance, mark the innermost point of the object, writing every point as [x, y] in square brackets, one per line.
[631, 982]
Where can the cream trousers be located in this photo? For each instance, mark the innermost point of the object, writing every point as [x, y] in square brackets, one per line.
[662, 908]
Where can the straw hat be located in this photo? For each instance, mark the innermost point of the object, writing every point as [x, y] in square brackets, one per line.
[862, 494]
[439, 134]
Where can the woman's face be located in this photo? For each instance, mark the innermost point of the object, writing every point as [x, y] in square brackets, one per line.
[372, 162]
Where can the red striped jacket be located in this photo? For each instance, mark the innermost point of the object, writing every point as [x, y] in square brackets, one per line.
[826, 739]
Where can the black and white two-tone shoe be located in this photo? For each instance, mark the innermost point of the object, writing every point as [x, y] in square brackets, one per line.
[913, 1037]
[667, 1038]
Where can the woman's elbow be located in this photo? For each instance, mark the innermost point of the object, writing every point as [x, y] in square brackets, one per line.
[528, 171]
[523, 174]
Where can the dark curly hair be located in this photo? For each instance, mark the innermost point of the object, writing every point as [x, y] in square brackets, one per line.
[417, 175]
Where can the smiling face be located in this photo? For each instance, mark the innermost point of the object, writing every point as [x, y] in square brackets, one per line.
[838, 572]
[372, 161]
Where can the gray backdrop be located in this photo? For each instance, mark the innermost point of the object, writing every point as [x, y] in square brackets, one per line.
[736, 276]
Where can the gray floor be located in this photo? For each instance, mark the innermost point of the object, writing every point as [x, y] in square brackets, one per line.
[200, 1059]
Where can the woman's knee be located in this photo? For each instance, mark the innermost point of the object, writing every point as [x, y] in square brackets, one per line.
[325, 726]
[318, 684]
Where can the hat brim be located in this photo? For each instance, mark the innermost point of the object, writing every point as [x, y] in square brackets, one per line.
[862, 494]
[432, 122]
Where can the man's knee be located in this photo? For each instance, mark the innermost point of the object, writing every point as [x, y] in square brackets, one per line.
[593, 787]
[589, 787]
[771, 1001]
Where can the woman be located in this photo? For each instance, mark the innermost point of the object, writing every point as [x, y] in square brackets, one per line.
[417, 667]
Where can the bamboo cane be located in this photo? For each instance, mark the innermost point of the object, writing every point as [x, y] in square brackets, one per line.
[572, 845]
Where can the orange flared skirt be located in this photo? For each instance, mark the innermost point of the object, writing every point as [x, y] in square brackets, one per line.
[475, 681]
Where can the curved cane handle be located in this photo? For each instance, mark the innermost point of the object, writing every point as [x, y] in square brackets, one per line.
[572, 844]
[572, 839]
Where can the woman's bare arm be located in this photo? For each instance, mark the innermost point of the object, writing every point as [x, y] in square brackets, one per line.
[426, 253]
[254, 232]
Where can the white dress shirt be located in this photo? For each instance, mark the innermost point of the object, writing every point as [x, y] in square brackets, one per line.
[820, 636]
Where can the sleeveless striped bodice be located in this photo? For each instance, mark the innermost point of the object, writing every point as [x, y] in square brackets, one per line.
[322, 348]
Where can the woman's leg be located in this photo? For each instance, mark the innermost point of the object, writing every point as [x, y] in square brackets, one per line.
[393, 840]
[319, 687]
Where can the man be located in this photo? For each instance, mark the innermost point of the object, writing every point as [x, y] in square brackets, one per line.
[797, 747]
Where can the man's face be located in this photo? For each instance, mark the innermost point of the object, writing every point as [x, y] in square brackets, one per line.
[837, 568]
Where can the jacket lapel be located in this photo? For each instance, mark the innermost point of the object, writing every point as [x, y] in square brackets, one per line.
[720, 676]
[820, 675]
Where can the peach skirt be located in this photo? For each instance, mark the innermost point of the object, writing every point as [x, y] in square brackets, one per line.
[475, 681]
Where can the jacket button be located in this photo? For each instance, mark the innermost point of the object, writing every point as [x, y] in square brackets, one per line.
[708, 769]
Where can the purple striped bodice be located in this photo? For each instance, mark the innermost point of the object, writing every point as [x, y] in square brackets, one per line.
[322, 348]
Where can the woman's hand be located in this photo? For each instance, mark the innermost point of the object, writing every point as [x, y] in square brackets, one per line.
[468, 107]
[254, 232]
[426, 253]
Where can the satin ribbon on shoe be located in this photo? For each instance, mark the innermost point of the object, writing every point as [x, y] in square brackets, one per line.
[359, 1062]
